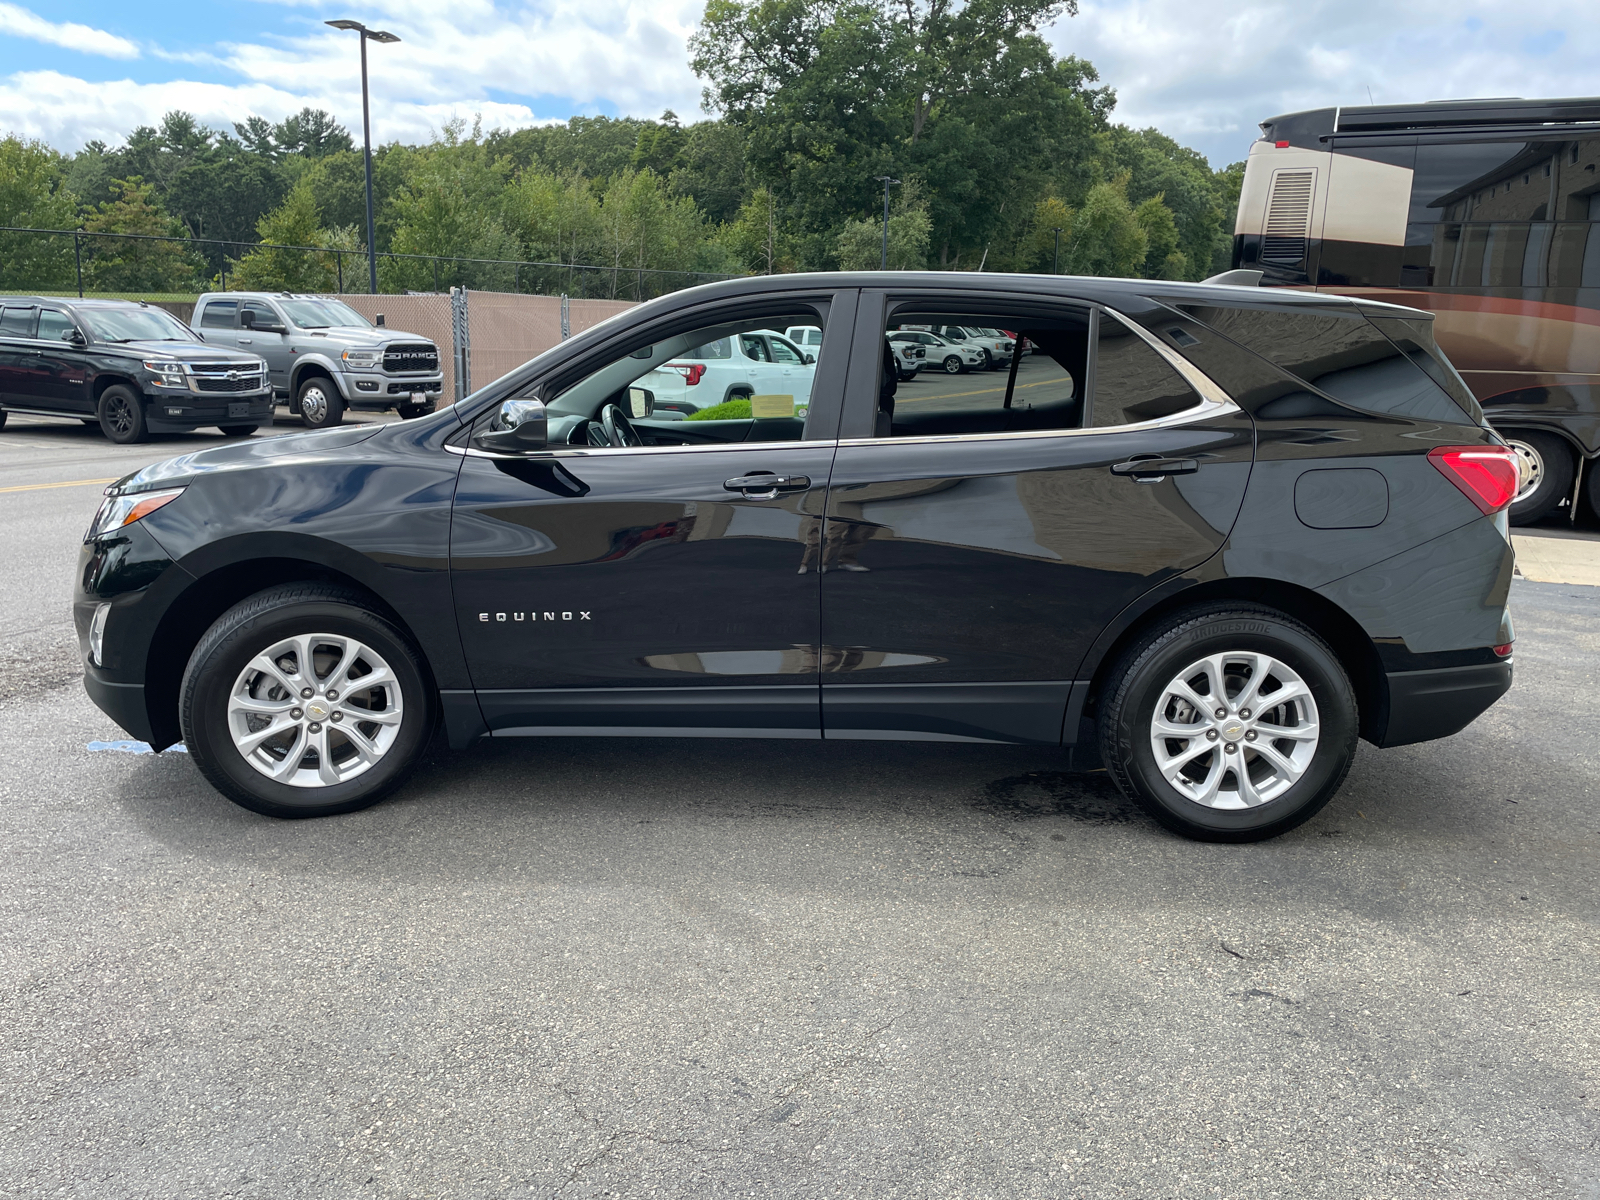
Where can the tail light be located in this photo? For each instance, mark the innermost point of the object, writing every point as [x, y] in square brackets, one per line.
[1486, 475]
[691, 372]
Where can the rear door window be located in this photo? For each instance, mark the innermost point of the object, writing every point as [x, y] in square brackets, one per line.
[18, 322]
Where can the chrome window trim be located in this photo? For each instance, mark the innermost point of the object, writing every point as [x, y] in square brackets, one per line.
[1200, 412]
[608, 451]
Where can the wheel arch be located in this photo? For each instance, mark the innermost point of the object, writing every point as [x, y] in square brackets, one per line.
[307, 368]
[1349, 642]
[110, 379]
[212, 593]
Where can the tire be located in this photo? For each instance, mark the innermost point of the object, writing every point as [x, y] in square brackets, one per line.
[988, 360]
[1591, 484]
[952, 365]
[319, 403]
[222, 671]
[1546, 464]
[4, 414]
[122, 415]
[1321, 708]
[238, 431]
[410, 412]
[737, 393]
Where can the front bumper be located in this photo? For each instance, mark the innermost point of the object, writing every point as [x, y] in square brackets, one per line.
[178, 412]
[1424, 705]
[374, 390]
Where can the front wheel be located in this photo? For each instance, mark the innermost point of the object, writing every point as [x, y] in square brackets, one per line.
[1230, 723]
[952, 365]
[237, 431]
[1544, 474]
[302, 702]
[320, 404]
[122, 415]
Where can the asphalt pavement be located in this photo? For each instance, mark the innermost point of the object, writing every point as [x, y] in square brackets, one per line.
[646, 968]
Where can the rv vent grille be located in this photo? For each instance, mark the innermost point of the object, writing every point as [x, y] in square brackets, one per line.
[1288, 215]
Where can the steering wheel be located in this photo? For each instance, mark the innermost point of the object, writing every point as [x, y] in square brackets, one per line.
[618, 429]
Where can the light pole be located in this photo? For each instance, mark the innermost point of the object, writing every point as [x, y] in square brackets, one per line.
[376, 35]
[887, 183]
[1055, 267]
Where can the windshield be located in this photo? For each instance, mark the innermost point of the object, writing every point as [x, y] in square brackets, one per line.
[322, 314]
[134, 325]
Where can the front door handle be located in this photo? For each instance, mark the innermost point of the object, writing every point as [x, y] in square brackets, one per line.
[764, 486]
[244, 341]
[1154, 469]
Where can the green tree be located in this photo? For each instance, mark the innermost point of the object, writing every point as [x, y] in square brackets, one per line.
[137, 264]
[1162, 258]
[293, 223]
[712, 169]
[451, 207]
[860, 243]
[965, 96]
[643, 227]
[33, 195]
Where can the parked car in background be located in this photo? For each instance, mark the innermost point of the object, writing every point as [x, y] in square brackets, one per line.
[909, 359]
[324, 357]
[950, 357]
[807, 337]
[996, 345]
[737, 366]
[126, 366]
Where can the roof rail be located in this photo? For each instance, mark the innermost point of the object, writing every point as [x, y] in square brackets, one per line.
[1442, 114]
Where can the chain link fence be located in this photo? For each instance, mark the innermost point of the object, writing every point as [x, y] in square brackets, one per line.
[149, 267]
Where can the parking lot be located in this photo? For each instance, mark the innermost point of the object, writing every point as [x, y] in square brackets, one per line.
[633, 968]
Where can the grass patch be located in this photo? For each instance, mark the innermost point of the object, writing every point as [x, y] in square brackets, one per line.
[737, 409]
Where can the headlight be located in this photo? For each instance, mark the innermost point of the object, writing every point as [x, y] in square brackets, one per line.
[169, 374]
[362, 358]
[117, 511]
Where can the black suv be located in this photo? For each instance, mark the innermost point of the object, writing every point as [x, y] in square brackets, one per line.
[1205, 536]
[127, 366]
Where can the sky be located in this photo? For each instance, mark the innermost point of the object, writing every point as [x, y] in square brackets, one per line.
[1203, 71]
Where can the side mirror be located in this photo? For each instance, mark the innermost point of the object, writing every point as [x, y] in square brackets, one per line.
[641, 402]
[378, 320]
[75, 336]
[247, 319]
[519, 427]
[811, 358]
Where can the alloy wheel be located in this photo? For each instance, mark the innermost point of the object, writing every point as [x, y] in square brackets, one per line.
[119, 415]
[1234, 730]
[315, 710]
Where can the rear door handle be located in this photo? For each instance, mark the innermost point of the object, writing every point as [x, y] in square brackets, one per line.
[765, 486]
[1152, 470]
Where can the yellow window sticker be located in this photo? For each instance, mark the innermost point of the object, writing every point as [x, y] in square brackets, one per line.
[771, 406]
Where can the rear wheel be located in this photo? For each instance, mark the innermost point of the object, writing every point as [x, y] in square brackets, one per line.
[1545, 465]
[1229, 724]
[122, 415]
[319, 403]
[302, 702]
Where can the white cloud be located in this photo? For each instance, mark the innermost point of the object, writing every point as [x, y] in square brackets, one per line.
[465, 60]
[19, 22]
[1206, 71]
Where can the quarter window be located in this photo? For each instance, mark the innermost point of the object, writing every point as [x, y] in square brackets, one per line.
[1132, 382]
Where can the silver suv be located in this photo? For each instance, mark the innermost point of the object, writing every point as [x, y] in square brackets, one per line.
[323, 356]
